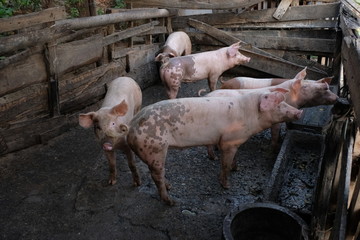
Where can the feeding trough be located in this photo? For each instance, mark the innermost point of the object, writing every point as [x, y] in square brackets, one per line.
[264, 221]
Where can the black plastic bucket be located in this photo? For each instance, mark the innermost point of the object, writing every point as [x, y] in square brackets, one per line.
[264, 221]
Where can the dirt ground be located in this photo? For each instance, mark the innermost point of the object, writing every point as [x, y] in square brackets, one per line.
[60, 190]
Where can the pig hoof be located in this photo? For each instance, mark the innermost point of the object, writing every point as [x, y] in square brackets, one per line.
[225, 185]
[112, 181]
[235, 168]
[168, 186]
[170, 202]
[137, 183]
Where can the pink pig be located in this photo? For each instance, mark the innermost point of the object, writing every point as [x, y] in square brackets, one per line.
[186, 122]
[177, 44]
[122, 101]
[302, 93]
[206, 65]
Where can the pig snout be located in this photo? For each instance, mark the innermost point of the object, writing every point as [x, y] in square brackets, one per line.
[107, 146]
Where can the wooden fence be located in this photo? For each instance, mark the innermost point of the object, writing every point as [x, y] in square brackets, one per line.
[53, 67]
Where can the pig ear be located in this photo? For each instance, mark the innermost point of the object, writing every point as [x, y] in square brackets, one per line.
[123, 129]
[270, 101]
[301, 75]
[325, 80]
[120, 109]
[159, 57]
[281, 90]
[232, 51]
[86, 120]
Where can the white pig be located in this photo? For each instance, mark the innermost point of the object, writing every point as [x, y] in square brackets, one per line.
[177, 44]
[186, 122]
[122, 101]
[302, 93]
[206, 65]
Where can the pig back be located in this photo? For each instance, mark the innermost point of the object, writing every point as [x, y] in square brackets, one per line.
[124, 88]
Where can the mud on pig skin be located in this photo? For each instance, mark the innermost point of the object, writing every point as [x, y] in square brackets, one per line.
[122, 101]
[186, 122]
[302, 93]
[177, 44]
[206, 65]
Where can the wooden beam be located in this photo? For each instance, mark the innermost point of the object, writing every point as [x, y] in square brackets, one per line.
[260, 60]
[281, 9]
[199, 4]
[130, 32]
[101, 20]
[304, 12]
[30, 19]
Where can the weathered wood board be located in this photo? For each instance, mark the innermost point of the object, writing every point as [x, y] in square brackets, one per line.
[23, 21]
[70, 56]
[300, 13]
[28, 71]
[202, 4]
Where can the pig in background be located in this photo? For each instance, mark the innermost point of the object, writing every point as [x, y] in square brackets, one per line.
[122, 101]
[177, 44]
[206, 65]
[186, 122]
[302, 93]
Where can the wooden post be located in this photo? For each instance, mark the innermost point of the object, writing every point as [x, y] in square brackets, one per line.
[53, 93]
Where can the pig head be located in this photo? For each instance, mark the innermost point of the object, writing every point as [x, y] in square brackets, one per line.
[122, 101]
[225, 121]
[206, 65]
[177, 44]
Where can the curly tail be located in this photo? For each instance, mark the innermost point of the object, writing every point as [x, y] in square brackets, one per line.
[201, 91]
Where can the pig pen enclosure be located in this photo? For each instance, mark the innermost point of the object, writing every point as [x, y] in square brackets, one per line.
[53, 173]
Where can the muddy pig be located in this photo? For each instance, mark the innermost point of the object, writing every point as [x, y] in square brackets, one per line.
[186, 122]
[122, 101]
[206, 65]
[302, 93]
[177, 44]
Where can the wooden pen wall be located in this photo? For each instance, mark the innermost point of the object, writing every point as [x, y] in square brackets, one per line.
[52, 68]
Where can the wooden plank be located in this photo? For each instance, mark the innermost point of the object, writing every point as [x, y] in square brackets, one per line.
[352, 7]
[290, 43]
[350, 54]
[260, 60]
[339, 226]
[25, 104]
[305, 24]
[30, 70]
[281, 9]
[130, 32]
[27, 20]
[20, 56]
[304, 12]
[72, 55]
[101, 20]
[200, 4]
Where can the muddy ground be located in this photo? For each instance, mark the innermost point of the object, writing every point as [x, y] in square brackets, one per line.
[60, 191]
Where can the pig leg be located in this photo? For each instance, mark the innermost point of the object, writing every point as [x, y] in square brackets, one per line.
[210, 151]
[131, 163]
[212, 81]
[227, 156]
[275, 135]
[111, 157]
[156, 165]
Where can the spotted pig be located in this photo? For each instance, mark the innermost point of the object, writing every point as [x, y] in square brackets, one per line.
[177, 44]
[186, 122]
[206, 65]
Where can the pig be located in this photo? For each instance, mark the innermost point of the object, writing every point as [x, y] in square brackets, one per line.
[187, 122]
[206, 65]
[177, 44]
[122, 101]
[302, 93]
[248, 82]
